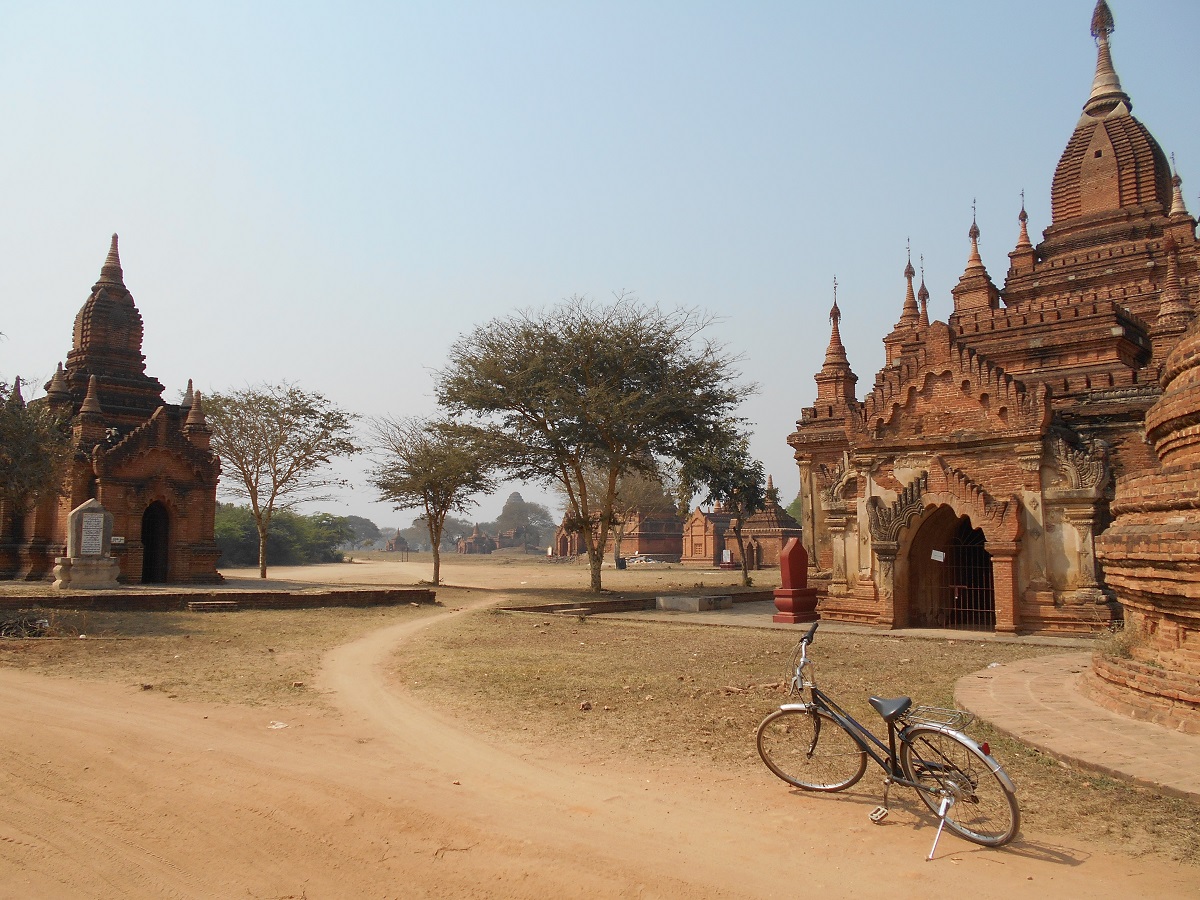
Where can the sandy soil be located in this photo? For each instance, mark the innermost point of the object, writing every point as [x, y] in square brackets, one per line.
[498, 571]
[110, 791]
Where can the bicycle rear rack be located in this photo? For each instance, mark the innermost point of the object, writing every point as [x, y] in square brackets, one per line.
[937, 715]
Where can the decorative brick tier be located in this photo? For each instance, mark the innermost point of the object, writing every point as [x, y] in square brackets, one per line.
[1150, 693]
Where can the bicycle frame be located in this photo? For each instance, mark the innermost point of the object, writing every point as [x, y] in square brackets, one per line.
[884, 755]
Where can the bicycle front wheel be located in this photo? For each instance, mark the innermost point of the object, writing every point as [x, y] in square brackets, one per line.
[982, 806]
[809, 749]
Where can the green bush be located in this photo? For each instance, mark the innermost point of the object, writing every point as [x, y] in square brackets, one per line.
[292, 540]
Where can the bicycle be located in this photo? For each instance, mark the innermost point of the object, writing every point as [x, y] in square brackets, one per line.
[817, 746]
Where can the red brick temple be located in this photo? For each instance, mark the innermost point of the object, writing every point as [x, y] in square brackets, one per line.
[146, 461]
[968, 486]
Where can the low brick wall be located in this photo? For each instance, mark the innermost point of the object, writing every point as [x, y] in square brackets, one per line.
[165, 601]
[1134, 689]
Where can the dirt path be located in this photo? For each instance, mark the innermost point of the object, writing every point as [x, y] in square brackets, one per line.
[109, 791]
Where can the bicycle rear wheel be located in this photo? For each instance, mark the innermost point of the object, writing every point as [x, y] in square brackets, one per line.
[984, 808]
[809, 749]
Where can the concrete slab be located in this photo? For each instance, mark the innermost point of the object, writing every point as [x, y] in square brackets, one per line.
[694, 604]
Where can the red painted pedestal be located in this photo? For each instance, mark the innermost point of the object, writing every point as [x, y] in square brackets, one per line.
[796, 601]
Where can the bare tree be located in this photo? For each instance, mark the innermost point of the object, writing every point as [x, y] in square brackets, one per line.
[588, 387]
[278, 440]
[430, 465]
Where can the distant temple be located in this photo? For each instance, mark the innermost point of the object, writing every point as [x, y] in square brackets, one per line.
[657, 537]
[709, 537]
[704, 537]
[968, 487]
[148, 462]
[478, 542]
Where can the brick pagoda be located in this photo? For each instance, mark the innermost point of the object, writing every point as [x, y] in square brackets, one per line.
[146, 461]
[968, 486]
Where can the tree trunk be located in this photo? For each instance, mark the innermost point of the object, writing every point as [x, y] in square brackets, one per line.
[618, 536]
[737, 533]
[437, 565]
[595, 561]
[262, 551]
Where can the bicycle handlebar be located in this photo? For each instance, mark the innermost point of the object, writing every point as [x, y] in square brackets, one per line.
[808, 638]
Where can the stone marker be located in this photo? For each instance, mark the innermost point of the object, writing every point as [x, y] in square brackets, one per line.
[88, 565]
[694, 604]
[796, 601]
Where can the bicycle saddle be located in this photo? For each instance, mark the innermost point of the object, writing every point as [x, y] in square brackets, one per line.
[891, 709]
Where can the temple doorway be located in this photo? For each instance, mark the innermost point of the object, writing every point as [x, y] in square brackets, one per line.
[156, 525]
[951, 575]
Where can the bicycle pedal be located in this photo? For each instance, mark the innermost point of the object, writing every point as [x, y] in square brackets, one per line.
[878, 814]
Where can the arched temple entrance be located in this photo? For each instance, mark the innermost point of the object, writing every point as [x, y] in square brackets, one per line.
[950, 572]
[156, 524]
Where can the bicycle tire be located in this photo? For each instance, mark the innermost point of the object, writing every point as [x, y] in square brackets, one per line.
[985, 809]
[809, 749]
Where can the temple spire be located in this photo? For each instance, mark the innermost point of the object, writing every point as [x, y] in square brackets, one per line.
[923, 296]
[975, 261]
[1177, 206]
[975, 289]
[195, 416]
[57, 388]
[188, 396]
[835, 381]
[91, 403]
[910, 316]
[15, 398]
[110, 272]
[1174, 311]
[836, 352]
[1106, 86]
[1023, 238]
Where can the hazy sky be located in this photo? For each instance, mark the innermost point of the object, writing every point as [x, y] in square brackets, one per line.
[332, 193]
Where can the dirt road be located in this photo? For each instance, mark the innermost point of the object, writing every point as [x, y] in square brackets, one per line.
[110, 791]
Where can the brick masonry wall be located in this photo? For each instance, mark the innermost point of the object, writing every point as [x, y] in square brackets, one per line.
[1132, 688]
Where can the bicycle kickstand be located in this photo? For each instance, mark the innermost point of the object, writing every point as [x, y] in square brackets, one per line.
[879, 813]
[942, 810]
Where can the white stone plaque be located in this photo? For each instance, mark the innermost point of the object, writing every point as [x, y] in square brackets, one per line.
[938, 556]
[91, 540]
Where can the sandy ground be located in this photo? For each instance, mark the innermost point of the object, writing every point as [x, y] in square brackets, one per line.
[498, 572]
[109, 791]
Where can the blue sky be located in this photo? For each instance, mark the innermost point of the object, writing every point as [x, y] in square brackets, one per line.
[332, 193]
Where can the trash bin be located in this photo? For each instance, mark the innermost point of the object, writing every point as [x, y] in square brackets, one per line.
[620, 562]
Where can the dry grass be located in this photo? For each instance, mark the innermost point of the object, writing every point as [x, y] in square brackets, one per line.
[249, 657]
[698, 693]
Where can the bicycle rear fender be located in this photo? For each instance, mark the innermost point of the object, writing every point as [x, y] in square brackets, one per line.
[997, 769]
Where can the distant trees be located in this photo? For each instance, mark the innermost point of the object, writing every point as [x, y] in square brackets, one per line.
[293, 539]
[417, 534]
[34, 448]
[429, 465]
[531, 520]
[276, 440]
[591, 388]
[363, 532]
